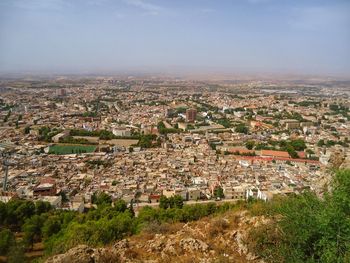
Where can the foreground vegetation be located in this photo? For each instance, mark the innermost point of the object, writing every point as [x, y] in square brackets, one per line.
[306, 228]
[60, 230]
[302, 228]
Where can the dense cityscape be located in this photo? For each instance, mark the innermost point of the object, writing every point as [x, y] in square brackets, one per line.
[138, 139]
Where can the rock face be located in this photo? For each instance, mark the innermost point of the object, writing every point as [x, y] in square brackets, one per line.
[79, 254]
[207, 240]
[337, 160]
[346, 162]
[191, 244]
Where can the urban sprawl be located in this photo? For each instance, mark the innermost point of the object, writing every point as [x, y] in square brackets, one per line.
[62, 140]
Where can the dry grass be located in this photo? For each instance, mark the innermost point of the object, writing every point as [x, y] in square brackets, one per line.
[109, 257]
[217, 227]
[164, 228]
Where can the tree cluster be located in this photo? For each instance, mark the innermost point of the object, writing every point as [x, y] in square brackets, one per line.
[310, 229]
[60, 230]
[175, 201]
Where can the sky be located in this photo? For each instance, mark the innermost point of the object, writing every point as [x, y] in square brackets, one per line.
[188, 36]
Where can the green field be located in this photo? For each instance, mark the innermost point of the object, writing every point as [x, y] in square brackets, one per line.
[71, 149]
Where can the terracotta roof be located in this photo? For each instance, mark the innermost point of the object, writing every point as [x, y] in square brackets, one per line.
[270, 159]
[154, 196]
[275, 153]
[301, 154]
[47, 180]
[239, 149]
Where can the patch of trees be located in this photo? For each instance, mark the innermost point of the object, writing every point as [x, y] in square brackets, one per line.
[26, 130]
[102, 134]
[72, 140]
[231, 111]
[287, 115]
[20, 215]
[250, 145]
[78, 132]
[97, 163]
[90, 114]
[176, 112]
[205, 107]
[101, 199]
[219, 192]
[146, 141]
[163, 130]
[5, 107]
[244, 153]
[291, 146]
[6, 118]
[60, 230]
[338, 108]
[190, 127]
[46, 133]
[329, 143]
[224, 122]
[308, 103]
[309, 229]
[241, 128]
[175, 201]
[185, 214]
[158, 102]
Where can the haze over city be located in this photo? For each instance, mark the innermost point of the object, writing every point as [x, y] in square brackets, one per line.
[195, 36]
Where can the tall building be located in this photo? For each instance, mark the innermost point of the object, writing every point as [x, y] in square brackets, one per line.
[191, 115]
[61, 92]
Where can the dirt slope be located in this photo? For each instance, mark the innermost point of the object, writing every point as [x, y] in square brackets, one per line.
[214, 239]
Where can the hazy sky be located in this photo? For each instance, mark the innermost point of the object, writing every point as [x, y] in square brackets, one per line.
[288, 36]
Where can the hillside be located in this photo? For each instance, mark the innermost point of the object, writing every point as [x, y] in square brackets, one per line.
[296, 228]
[212, 239]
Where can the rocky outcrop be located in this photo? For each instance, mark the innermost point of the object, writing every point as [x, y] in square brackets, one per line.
[81, 254]
[191, 244]
[337, 159]
[346, 162]
[207, 240]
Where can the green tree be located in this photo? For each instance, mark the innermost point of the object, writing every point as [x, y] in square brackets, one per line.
[51, 226]
[310, 229]
[64, 196]
[224, 122]
[292, 151]
[321, 143]
[101, 199]
[175, 201]
[164, 202]
[219, 192]
[17, 211]
[3, 213]
[298, 145]
[26, 130]
[147, 214]
[42, 207]
[131, 208]
[7, 239]
[120, 205]
[250, 145]
[32, 230]
[241, 128]
[16, 254]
